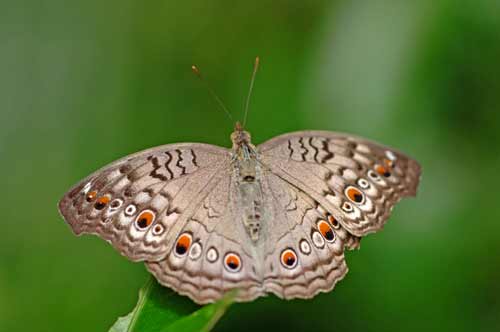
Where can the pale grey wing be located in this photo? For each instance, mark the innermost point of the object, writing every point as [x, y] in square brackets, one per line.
[354, 179]
[304, 254]
[140, 202]
[212, 253]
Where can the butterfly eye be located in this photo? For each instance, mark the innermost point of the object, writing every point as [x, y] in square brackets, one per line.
[326, 231]
[289, 259]
[101, 202]
[232, 262]
[354, 194]
[383, 170]
[145, 219]
[183, 244]
[91, 196]
[363, 183]
[334, 222]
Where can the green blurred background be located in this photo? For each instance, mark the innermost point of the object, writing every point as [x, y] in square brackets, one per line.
[83, 83]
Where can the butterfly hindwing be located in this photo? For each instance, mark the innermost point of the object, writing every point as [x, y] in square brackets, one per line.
[212, 254]
[308, 255]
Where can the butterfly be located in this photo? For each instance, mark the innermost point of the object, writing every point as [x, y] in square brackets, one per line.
[273, 218]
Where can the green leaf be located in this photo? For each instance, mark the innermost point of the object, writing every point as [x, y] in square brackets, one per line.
[161, 309]
[202, 320]
[122, 323]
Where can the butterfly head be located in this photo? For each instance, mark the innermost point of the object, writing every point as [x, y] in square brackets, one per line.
[240, 137]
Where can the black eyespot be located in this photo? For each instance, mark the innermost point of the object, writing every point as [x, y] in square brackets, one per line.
[142, 223]
[329, 235]
[99, 206]
[180, 249]
[101, 202]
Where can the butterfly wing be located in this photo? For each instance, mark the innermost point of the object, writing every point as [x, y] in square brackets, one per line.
[305, 255]
[356, 180]
[140, 202]
[178, 207]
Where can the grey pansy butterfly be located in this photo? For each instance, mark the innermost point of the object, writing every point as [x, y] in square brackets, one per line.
[275, 218]
[268, 219]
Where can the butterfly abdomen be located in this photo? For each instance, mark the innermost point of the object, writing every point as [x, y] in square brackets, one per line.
[248, 182]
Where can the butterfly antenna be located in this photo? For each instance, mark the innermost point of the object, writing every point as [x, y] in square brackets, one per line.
[250, 89]
[196, 71]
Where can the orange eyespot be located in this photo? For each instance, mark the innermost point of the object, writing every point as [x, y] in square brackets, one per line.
[383, 171]
[145, 219]
[333, 221]
[158, 229]
[389, 163]
[289, 258]
[326, 231]
[354, 194]
[101, 202]
[183, 244]
[233, 262]
[91, 196]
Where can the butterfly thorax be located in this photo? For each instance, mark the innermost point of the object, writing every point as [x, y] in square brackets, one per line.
[244, 152]
[247, 177]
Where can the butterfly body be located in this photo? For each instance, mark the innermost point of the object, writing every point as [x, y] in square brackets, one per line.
[247, 177]
[274, 218]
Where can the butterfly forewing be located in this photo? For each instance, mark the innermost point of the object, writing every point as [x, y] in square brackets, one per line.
[137, 203]
[356, 180]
